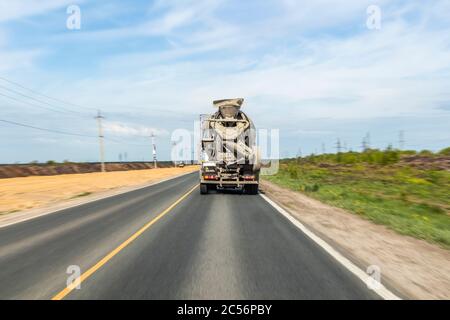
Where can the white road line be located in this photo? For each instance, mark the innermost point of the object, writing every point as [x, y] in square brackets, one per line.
[30, 217]
[381, 290]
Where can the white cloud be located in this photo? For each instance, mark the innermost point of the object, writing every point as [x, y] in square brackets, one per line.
[399, 70]
[168, 18]
[295, 61]
[3, 38]
[17, 9]
[18, 60]
[122, 129]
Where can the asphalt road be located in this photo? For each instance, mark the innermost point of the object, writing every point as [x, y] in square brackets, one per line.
[216, 246]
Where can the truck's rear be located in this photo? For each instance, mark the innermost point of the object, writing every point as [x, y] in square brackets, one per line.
[230, 157]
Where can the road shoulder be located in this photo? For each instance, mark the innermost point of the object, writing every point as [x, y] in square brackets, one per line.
[415, 268]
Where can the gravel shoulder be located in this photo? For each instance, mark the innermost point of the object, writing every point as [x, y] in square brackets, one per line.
[414, 268]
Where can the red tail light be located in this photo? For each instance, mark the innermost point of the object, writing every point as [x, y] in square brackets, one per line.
[210, 177]
[249, 177]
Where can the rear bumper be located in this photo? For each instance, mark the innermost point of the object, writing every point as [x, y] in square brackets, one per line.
[228, 183]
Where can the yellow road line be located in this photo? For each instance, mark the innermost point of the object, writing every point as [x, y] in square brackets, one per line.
[110, 255]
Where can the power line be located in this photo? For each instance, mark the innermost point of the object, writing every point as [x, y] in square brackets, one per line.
[54, 108]
[46, 96]
[118, 140]
[71, 133]
[401, 140]
[121, 141]
[29, 103]
[46, 129]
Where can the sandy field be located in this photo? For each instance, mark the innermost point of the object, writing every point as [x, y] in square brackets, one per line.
[413, 268]
[17, 194]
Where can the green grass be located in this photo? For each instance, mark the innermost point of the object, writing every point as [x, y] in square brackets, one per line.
[409, 200]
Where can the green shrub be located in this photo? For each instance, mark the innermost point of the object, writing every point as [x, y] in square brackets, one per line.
[445, 152]
[310, 187]
[426, 153]
[389, 156]
[293, 171]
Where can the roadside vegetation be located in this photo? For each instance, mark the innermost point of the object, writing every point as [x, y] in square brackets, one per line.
[407, 191]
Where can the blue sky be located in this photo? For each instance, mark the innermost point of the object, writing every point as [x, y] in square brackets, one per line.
[309, 68]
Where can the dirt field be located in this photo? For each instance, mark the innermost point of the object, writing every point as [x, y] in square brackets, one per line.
[17, 194]
[413, 267]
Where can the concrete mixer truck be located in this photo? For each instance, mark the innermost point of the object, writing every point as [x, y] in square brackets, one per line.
[228, 151]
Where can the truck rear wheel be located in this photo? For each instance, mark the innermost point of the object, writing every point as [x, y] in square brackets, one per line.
[251, 189]
[203, 188]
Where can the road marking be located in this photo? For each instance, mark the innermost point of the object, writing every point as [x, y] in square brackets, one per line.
[381, 290]
[110, 255]
[96, 198]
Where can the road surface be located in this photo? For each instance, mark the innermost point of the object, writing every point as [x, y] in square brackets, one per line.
[216, 246]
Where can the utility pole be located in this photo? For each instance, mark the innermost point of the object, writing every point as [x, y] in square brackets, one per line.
[299, 155]
[100, 140]
[364, 144]
[339, 148]
[174, 149]
[155, 163]
[367, 140]
[401, 140]
[338, 145]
